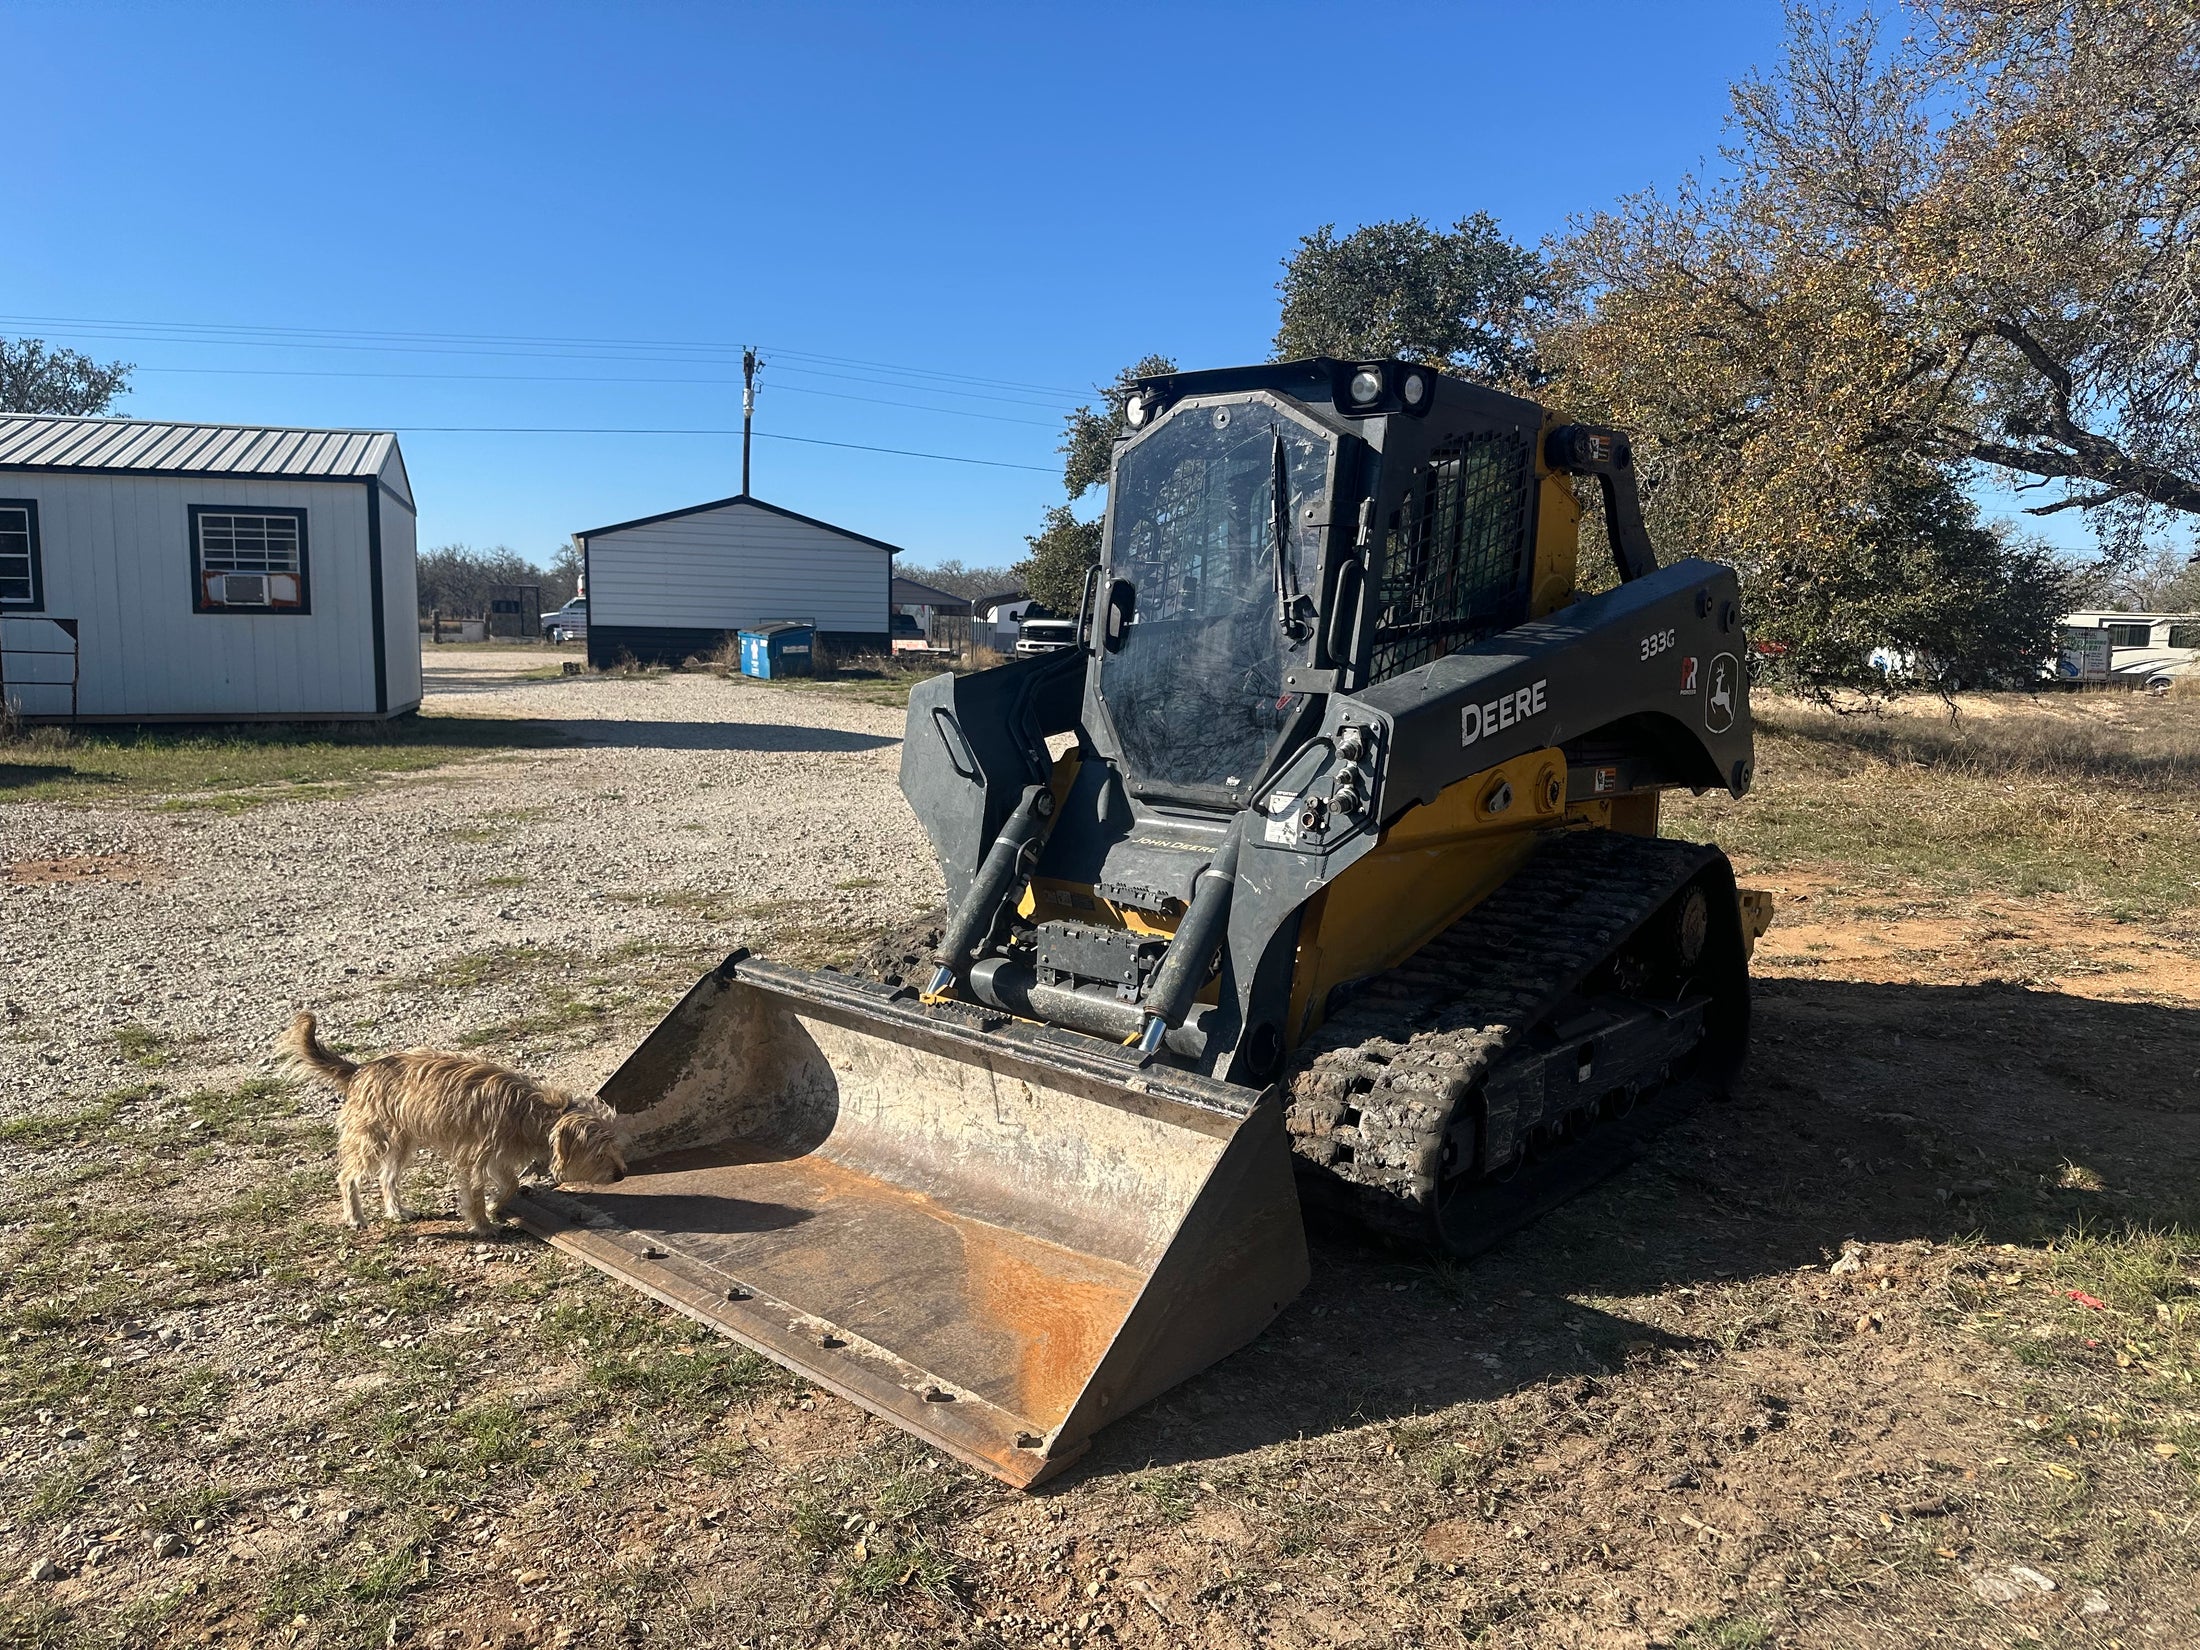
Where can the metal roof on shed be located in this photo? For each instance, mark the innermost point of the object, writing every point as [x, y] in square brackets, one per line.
[910, 593]
[31, 441]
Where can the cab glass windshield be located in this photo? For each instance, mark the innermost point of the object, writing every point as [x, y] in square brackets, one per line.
[1196, 693]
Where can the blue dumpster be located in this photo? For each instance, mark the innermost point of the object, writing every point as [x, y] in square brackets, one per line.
[784, 648]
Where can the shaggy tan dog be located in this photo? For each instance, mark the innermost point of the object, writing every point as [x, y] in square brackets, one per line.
[491, 1125]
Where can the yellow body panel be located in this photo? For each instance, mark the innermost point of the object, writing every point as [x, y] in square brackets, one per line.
[1433, 865]
[1557, 534]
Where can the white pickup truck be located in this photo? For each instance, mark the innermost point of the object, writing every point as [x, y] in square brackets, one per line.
[568, 623]
[1045, 636]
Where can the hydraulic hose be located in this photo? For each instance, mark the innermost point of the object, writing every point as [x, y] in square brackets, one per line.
[999, 875]
[1191, 954]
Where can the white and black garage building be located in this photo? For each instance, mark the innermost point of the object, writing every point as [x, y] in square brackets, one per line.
[671, 587]
[204, 572]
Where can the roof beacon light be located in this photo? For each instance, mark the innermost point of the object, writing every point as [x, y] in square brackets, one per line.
[1367, 385]
[1414, 389]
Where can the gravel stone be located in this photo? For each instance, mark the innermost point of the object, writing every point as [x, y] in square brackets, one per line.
[677, 789]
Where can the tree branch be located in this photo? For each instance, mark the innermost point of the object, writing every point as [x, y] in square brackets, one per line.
[2101, 462]
[2090, 501]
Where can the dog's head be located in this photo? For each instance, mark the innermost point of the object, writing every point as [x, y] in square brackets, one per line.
[584, 1148]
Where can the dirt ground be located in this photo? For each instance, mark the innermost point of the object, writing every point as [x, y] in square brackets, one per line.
[1896, 1346]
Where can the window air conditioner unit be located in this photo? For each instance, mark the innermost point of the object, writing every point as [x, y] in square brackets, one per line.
[244, 589]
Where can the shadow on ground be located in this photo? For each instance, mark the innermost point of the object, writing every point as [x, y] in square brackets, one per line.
[1881, 1113]
[13, 774]
[719, 736]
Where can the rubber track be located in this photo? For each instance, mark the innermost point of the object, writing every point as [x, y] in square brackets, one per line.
[1368, 1096]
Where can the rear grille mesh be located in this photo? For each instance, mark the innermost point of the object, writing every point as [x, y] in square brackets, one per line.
[1456, 559]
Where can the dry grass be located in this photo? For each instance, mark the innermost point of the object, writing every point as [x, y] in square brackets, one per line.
[2092, 796]
[240, 766]
[868, 678]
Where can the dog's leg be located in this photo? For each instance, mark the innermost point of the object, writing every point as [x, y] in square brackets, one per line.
[395, 1157]
[355, 1199]
[503, 1187]
[351, 1177]
[473, 1202]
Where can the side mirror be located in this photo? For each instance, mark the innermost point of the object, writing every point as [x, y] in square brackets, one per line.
[1116, 613]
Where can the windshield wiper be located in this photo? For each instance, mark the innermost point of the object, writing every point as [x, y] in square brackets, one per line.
[1290, 599]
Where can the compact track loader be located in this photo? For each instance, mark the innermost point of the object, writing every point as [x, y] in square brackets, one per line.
[1325, 867]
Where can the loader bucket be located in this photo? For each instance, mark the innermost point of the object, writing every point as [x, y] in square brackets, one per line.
[996, 1235]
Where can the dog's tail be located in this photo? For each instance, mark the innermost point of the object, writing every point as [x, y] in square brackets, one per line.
[300, 1043]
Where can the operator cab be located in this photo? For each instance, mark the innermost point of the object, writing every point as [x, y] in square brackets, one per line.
[1277, 533]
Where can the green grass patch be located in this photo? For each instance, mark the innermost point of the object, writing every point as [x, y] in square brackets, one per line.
[142, 1045]
[81, 1123]
[184, 1510]
[878, 1570]
[560, 1013]
[467, 1442]
[2150, 1272]
[494, 965]
[495, 823]
[260, 1111]
[807, 932]
[238, 766]
[697, 1374]
[1724, 1633]
[351, 1600]
[870, 1522]
[57, 1494]
[1172, 1493]
[1450, 1457]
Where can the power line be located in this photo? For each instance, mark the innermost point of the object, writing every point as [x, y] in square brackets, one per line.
[589, 378]
[761, 435]
[929, 381]
[526, 355]
[307, 337]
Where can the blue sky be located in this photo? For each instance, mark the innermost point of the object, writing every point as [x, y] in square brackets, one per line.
[975, 212]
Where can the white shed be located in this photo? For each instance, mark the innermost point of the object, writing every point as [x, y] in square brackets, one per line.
[204, 572]
[667, 588]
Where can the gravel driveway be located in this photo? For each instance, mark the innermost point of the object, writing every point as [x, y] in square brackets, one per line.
[691, 812]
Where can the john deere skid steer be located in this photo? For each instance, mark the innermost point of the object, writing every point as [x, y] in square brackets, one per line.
[1326, 867]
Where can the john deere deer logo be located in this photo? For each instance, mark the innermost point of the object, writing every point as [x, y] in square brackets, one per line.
[1718, 705]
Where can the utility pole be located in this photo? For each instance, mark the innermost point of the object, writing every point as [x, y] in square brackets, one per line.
[749, 364]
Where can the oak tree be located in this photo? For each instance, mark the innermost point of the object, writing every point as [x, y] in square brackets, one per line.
[1464, 299]
[37, 379]
[1978, 244]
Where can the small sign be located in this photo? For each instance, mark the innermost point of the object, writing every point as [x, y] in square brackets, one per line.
[1688, 674]
[2083, 656]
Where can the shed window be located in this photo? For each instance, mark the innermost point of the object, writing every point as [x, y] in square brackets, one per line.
[22, 586]
[248, 561]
